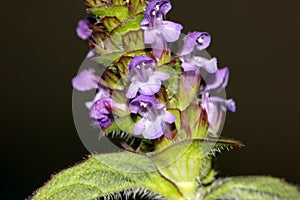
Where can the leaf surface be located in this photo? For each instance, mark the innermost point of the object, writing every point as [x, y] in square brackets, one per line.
[251, 188]
[106, 174]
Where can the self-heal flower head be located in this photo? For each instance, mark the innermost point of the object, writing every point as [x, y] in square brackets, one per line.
[197, 41]
[155, 117]
[83, 31]
[101, 111]
[157, 31]
[143, 77]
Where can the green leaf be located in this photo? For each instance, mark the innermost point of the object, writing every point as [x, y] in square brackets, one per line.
[107, 174]
[120, 12]
[250, 188]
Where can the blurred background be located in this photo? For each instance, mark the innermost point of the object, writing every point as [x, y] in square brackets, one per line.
[258, 40]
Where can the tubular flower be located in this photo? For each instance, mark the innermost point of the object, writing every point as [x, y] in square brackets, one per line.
[83, 30]
[197, 41]
[216, 106]
[143, 77]
[155, 117]
[157, 31]
[101, 111]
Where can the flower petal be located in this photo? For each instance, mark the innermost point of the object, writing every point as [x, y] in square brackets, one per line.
[151, 87]
[83, 30]
[132, 90]
[139, 126]
[161, 75]
[188, 67]
[100, 108]
[217, 80]
[144, 98]
[137, 60]
[189, 43]
[168, 117]
[153, 130]
[157, 8]
[149, 35]
[102, 93]
[210, 65]
[158, 46]
[171, 31]
[203, 41]
[85, 80]
[230, 105]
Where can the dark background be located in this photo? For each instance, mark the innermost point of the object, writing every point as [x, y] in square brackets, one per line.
[258, 40]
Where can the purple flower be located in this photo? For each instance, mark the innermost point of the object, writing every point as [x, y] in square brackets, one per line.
[197, 41]
[88, 80]
[85, 80]
[83, 30]
[218, 80]
[157, 31]
[155, 117]
[156, 8]
[101, 111]
[143, 77]
[216, 106]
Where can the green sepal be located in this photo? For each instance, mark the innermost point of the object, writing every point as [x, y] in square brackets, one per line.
[93, 3]
[125, 124]
[118, 2]
[131, 24]
[187, 164]
[113, 82]
[193, 119]
[187, 90]
[111, 23]
[122, 66]
[137, 6]
[133, 40]
[120, 12]
[251, 187]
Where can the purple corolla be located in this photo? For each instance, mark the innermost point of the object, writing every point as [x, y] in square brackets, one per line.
[157, 31]
[143, 77]
[197, 41]
[83, 31]
[155, 117]
[88, 80]
[216, 106]
[101, 111]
